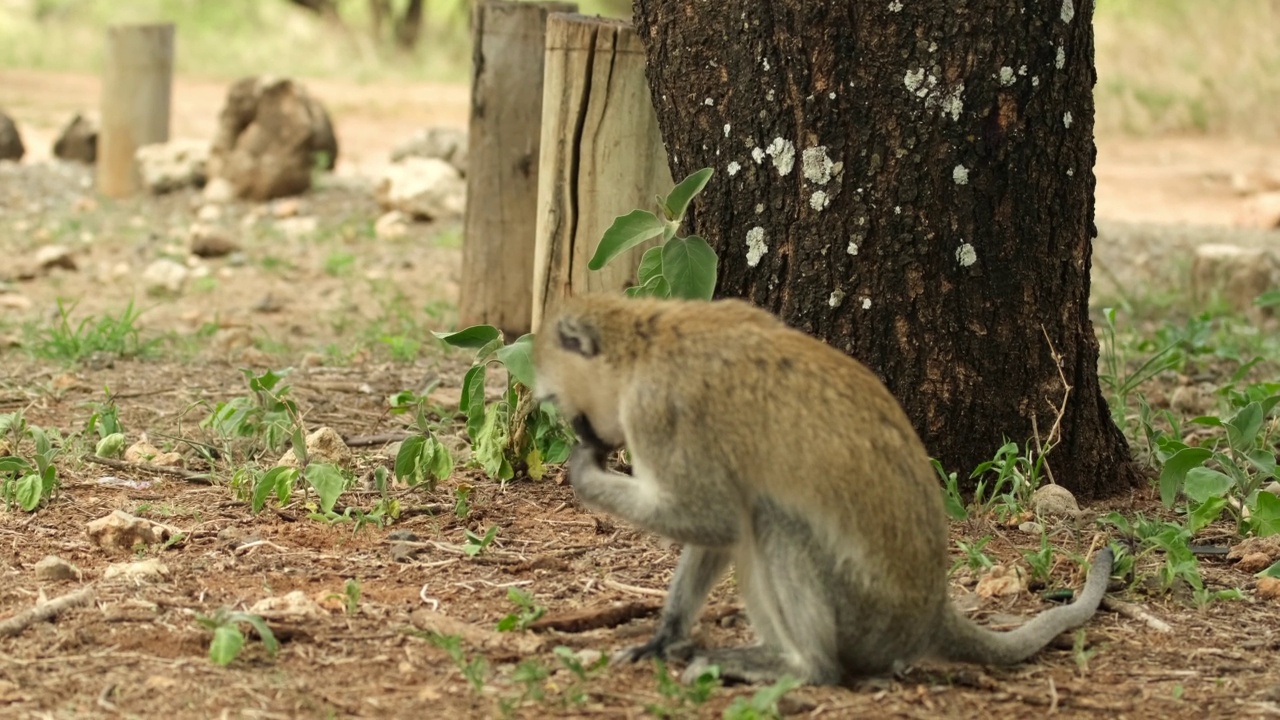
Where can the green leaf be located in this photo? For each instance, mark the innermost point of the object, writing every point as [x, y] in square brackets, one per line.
[1266, 515]
[29, 491]
[650, 266]
[439, 461]
[13, 465]
[1202, 483]
[1273, 571]
[226, 645]
[1205, 513]
[472, 401]
[269, 481]
[518, 359]
[476, 336]
[408, 464]
[1175, 471]
[259, 626]
[656, 287]
[1243, 427]
[1264, 461]
[689, 266]
[681, 195]
[1270, 298]
[626, 232]
[328, 483]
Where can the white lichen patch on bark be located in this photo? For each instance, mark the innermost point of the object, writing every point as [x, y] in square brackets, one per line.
[1066, 119]
[819, 200]
[759, 208]
[966, 255]
[866, 303]
[1007, 76]
[837, 297]
[1061, 60]
[1068, 10]
[709, 102]
[1071, 172]
[758, 155]
[733, 168]
[960, 174]
[816, 165]
[913, 80]
[895, 6]
[755, 246]
[783, 153]
[853, 247]
[727, 127]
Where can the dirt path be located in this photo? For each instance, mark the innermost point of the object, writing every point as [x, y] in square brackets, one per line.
[1165, 180]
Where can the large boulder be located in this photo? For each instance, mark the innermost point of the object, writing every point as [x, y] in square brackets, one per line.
[11, 147]
[78, 141]
[271, 135]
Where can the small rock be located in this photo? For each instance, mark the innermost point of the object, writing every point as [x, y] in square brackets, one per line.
[219, 190]
[1269, 588]
[1031, 527]
[13, 301]
[440, 143]
[210, 241]
[53, 568]
[209, 213]
[391, 225]
[297, 228]
[1054, 501]
[323, 445]
[11, 147]
[294, 605]
[404, 552]
[165, 277]
[124, 531]
[1254, 562]
[140, 571]
[172, 165]
[1268, 546]
[1272, 487]
[78, 141]
[289, 207]
[1002, 581]
[423, 188]
[1261, 211]
[1187, 399]
[144, 452]
[55, 256]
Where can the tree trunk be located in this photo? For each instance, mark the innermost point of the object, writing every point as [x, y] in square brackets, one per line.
[409, 26]
[911, 181]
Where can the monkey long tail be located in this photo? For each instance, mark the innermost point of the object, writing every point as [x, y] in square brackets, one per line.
[964, 641]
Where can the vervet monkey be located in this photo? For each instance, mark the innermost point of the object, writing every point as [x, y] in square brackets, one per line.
[756, 444]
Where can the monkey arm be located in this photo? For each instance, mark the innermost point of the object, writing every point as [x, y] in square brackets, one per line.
[702, 514]
[696, 573]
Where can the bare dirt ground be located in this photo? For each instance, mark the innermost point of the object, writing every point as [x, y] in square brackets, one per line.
[335, 303]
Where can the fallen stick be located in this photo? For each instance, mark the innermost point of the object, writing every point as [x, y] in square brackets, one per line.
[594, 618]
[202, 478]
[383, 439]
[1134, 612]
[45, 611]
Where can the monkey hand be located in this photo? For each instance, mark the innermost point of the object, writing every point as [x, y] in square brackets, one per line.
[659, 646]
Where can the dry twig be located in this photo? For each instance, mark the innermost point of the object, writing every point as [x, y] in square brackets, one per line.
[45, 611]
[1135, 612]
[180, 473]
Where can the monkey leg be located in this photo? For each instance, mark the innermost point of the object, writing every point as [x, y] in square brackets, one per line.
[788, 581]
[696, 573]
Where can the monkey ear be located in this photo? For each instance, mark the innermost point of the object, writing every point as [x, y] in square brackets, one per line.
[578, 336]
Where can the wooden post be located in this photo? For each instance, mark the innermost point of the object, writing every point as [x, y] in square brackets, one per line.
[602, 155]
[137, 85]
[502, 163]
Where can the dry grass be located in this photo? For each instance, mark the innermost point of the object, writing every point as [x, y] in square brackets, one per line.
[1189, 66]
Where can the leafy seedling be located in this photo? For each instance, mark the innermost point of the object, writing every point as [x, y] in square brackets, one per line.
[527, 611]
[228, 640]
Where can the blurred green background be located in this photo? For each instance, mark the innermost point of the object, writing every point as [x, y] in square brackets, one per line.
[1164, 66]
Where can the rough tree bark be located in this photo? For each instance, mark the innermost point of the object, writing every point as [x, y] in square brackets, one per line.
[913, 182]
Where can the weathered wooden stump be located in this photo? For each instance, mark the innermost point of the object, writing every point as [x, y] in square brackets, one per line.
[137, 83]
[502, 173]
[602, 155]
